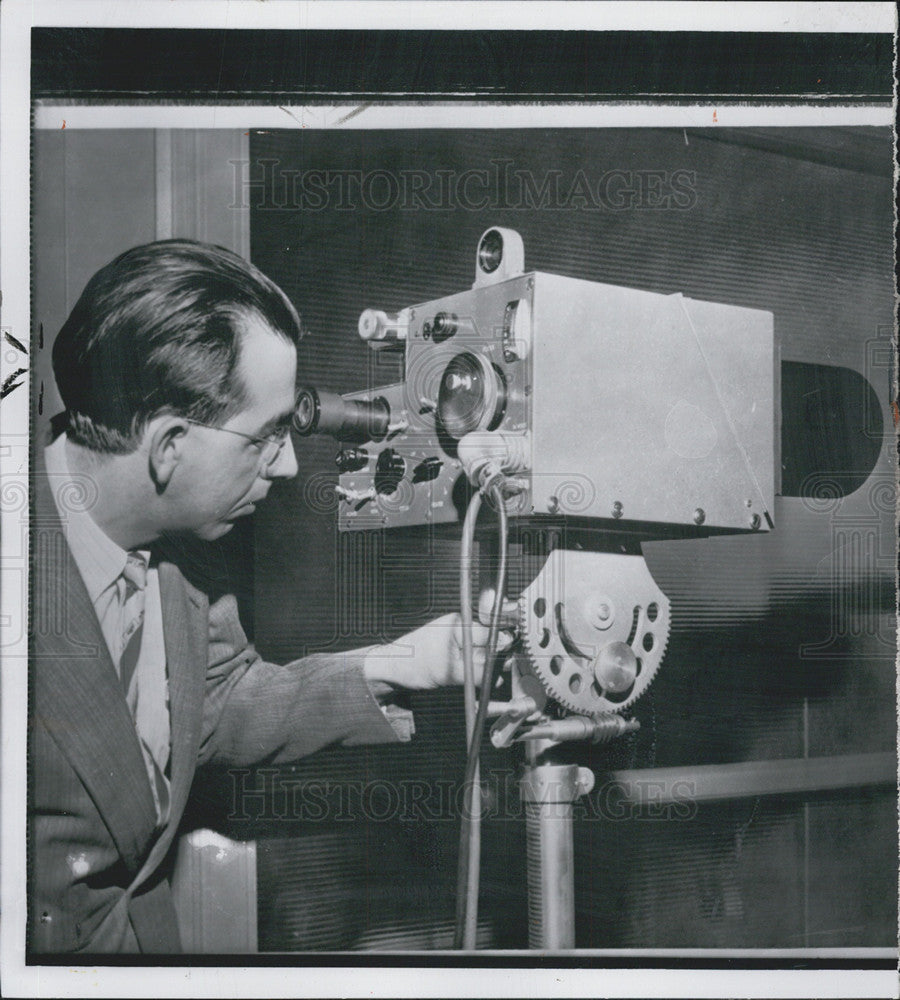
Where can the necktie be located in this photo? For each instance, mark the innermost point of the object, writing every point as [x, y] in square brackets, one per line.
[134, 576]
[153, 735]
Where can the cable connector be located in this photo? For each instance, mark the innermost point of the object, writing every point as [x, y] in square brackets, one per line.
[490, 477]
[488, 457]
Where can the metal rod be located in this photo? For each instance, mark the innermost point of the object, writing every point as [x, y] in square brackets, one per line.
[550, 855]
[548, 791]
[712, 782]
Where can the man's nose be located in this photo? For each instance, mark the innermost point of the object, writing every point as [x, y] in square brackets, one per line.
[285, 465]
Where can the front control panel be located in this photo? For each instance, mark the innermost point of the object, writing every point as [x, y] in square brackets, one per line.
[460, 375]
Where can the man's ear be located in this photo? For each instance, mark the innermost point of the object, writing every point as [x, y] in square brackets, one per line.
[165, 437]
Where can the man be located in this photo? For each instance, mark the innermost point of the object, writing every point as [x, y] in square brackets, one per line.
[177, 368]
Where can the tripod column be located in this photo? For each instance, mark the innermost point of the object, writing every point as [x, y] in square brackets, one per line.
[548, 793]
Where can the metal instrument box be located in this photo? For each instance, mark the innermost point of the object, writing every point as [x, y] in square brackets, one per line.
[640, 408]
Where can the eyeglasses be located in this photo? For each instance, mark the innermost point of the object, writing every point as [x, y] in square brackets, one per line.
[270, 446]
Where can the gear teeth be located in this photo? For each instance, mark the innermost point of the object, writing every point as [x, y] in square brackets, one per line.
[587, 705]
[522, 611]
[652, 677]
[574, 707]
[539, 657]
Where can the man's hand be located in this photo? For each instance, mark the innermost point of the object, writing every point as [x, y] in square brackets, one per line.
[431, 656]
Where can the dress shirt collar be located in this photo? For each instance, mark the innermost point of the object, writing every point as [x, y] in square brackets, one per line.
[99, 559]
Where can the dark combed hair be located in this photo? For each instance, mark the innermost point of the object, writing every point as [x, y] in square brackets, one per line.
[159, 329]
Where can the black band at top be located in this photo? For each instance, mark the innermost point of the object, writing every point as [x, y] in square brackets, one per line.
[288, 66]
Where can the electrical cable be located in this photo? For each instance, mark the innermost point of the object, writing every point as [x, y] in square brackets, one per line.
[470, 834]
[470, 829]
[465, 602]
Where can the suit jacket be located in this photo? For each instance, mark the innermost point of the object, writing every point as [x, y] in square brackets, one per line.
[98, 867]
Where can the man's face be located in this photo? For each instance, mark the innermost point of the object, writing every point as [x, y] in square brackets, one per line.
[222, 476]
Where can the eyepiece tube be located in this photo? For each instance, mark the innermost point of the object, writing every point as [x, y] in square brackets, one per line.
[355, 420]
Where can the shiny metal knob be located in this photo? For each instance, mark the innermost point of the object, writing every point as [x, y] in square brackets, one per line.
[615, 667]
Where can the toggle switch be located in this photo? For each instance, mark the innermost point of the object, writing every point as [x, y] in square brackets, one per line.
[351, 459]
[389, 471]
[427, 470]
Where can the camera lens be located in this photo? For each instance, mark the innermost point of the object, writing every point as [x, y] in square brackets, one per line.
[472, 396]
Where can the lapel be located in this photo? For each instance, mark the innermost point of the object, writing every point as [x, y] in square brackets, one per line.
[75, 689]
[186, 615]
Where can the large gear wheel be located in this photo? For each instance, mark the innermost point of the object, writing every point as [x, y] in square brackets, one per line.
[594, 626]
